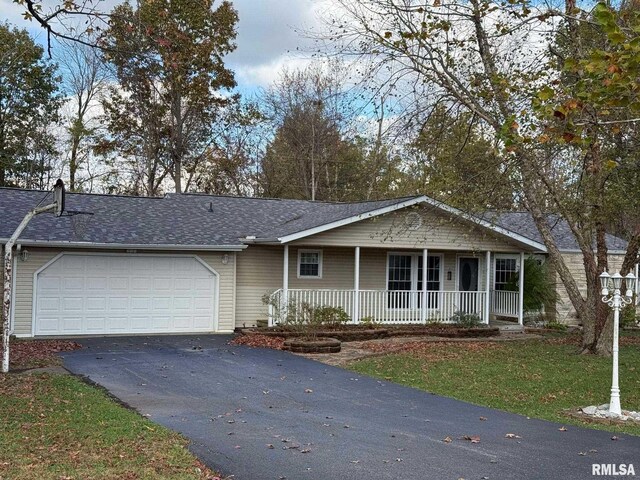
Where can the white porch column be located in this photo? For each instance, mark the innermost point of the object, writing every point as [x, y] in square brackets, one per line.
[356, 286]
[487, 287]
[285, 276]
[521, 291]
[425, 256]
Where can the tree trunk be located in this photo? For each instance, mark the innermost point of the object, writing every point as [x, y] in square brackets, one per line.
[604, 342]
[73, 163]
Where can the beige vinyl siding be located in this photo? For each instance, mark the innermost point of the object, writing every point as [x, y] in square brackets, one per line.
[338, 265]
[40, 256]
[437, 231]
[575, 263]
[259, 271]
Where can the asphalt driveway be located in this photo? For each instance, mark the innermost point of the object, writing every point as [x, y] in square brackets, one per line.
[264, 414]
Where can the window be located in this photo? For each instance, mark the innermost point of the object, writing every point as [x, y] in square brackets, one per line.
[405, 273]
[309, 263]
[506, 269]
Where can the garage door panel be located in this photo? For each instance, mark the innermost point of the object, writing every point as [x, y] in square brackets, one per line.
[118, 324]
[117, 282]
[96, 283]
[117, 304]
[49, 304]
[161, 322]
[96, 304]
[70, 325]
[71, 283]
[93, 294]
[72, 304]
[96, 324]
[140, 303]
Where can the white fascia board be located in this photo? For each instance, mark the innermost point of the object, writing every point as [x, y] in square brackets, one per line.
[127, 246]
[349, 220]
[407, 203]
[484, 223]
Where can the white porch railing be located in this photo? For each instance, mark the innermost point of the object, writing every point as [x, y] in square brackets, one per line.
[504, 303]
[385, 306]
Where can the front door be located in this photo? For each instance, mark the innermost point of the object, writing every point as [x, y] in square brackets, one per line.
[468, 282]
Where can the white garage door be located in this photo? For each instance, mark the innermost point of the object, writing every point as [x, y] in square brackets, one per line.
[103, 294]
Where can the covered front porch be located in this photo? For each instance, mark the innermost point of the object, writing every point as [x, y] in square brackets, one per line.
[397, 287]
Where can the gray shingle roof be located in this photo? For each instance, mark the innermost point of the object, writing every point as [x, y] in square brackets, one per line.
[522, 223]
[172, 220]
[207, 220]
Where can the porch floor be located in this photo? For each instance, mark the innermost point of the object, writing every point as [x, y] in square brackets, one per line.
[506, 325]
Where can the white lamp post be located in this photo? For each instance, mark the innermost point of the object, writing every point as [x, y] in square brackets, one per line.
[616, 301]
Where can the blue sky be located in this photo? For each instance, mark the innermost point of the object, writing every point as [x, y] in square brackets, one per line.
[267, 40]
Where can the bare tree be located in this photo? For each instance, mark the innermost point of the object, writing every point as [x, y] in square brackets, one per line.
[85, 79]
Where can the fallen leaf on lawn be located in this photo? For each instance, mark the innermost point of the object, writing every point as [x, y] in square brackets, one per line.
[563, 429]
[447, 440]
[512, 435]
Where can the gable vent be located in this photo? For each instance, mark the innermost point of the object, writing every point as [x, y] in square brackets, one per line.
[413, 221]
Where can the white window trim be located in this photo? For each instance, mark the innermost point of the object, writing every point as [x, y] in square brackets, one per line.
[414, 270]
[512, 256]
[414, 274]
[309, 277]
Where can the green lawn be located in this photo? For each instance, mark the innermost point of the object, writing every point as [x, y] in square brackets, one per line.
[57, 427]
[537, 378]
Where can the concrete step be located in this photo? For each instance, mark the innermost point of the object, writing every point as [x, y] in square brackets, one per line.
[511, 328]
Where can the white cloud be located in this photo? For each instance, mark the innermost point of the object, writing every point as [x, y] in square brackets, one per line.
[269, 38]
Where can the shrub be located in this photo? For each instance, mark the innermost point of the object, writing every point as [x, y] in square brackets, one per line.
[330, 316]
[628, 317]
[539, 290]
[369, 322]
[559, 327]
[466, 320]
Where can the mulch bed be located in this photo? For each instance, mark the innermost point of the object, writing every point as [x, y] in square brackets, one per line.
[38, 353]
[259, 341]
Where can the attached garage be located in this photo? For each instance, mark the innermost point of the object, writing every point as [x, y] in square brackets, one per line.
[95, 294]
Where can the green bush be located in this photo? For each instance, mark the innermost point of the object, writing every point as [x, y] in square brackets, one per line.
[553, 325]
[628, 317]
[466, 320]
[330, 316]
[539, 290]
[369, 322]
